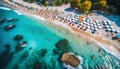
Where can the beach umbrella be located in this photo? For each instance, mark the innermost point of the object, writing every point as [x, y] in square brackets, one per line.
[98, 24]
[91, 28]
[88, 27]
[112, 30]
[104, 21]
[96, 29]
[107, 26]
[111, 27]
[94, 23]
[117, 31]
[91, 19]
[110, 23]
[91, 25]
[97, 21]
[95, 26]
[99, 27]
[108, 30]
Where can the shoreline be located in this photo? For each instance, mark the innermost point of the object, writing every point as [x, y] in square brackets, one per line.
[105, 44]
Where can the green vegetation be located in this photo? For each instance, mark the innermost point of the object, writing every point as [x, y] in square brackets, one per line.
[74, 3]
[106, 6]
[30, 1]
[85, 6]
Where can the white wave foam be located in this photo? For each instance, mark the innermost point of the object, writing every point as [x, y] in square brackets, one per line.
[5, 8]
[38, 17]
[18, 12]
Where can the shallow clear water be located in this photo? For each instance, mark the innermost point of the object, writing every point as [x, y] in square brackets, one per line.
[43, 35]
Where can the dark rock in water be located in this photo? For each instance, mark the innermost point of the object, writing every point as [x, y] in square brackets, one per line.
[63, 45]
[15, 67]
[10, 19]
[100, 50]
[24, 55]
[2, 20]
[5, 57]
[70, 59]
[17, 19]
[37, 65]
[18, 37]
[8, 27]
[7, 46]
[21, 45]
[43, 52]
[57, 51]
[93, 57]
[30, 48]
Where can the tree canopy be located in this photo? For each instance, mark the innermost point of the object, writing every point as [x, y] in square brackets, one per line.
[74, 3]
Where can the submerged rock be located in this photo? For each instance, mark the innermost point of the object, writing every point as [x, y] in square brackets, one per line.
[57, 51]
[24, 55]
[100, 50]
[37, 65]
[63, 45]
[70, 59]
[7, 46]
[8, 27]
[21, 45]
[10, 19]
[93, 57]
[43, 52]
[5, 57]
[2, 20]
[18, 37]
[16, 66]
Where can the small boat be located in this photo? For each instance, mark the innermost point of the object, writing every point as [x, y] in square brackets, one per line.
[8, 27]
[2, 20]
[10, 19]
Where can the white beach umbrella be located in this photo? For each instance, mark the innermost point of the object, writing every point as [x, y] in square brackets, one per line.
[110, 23]
[97, 21]
[111, 27]
[104, 21]
[88, 27]
[91, 25]
[98, 24]
[96, 29]
[91, 28]
[108, 29]
[84, 19]
[95, 26]
[117, 31]
[87, 21]
[99, 27]
[94, 23]
[107, 26]
[113, 30]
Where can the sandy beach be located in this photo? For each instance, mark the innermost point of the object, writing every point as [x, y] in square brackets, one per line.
[106, 43]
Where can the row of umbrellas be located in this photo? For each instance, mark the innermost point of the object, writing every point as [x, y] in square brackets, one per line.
[109, 27]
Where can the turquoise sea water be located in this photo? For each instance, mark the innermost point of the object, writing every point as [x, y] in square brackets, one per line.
[41, 35]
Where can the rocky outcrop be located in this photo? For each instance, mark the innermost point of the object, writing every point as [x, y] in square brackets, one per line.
[70, 59]
[63, 45]
[2, 20]
[18, 37]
